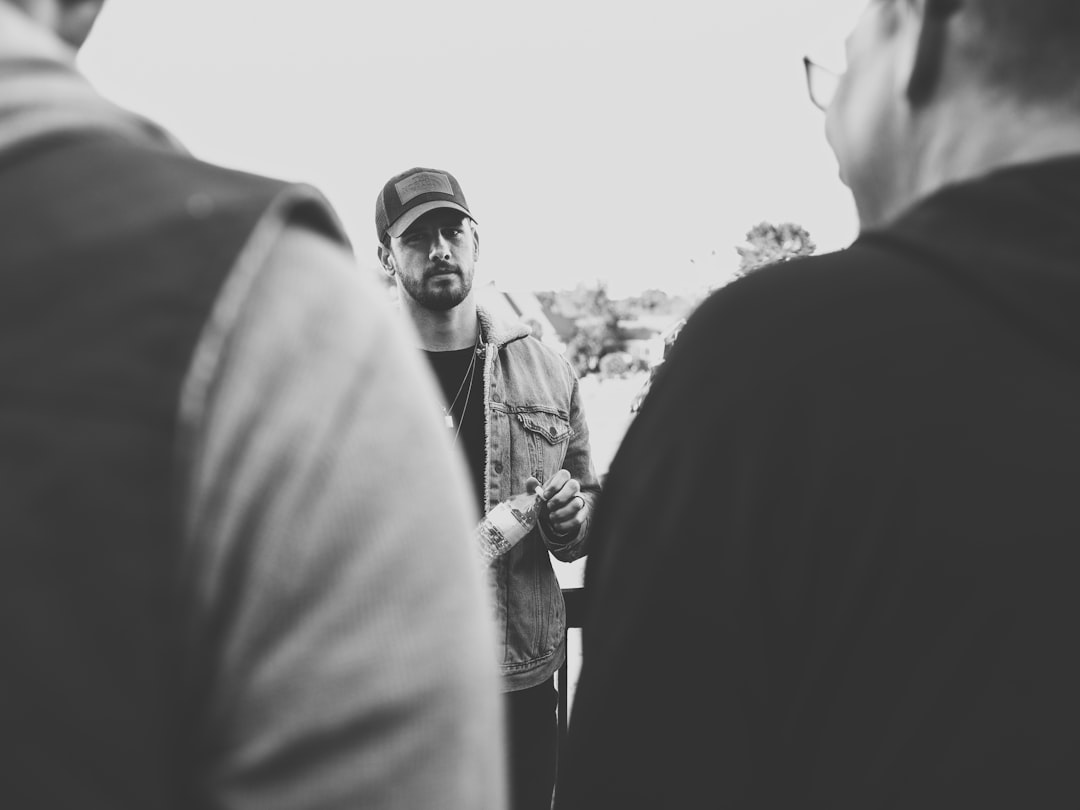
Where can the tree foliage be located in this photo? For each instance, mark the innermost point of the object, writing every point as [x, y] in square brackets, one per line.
[596, 322]
[767, 244]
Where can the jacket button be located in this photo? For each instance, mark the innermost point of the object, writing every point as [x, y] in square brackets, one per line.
[551, 431]
[497, 466]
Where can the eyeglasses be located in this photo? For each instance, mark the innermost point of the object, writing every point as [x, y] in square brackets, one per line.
[821, 82]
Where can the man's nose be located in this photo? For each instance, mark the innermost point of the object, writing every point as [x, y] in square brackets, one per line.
[440, 247]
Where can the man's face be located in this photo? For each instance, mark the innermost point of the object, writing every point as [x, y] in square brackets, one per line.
[435, 258]
[865, 121]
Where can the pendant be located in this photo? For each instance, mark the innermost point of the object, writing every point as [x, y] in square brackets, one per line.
[449, 419]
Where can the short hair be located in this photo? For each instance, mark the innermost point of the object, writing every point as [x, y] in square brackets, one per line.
[1029, 49]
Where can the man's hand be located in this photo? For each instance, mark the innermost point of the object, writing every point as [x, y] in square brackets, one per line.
[565, 508]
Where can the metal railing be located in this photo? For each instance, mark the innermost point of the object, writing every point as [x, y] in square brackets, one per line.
[575, 610]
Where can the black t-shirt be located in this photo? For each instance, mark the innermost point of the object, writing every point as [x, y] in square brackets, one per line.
[463, 388]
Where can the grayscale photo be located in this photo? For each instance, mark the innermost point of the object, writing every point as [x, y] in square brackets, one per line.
[576, 406]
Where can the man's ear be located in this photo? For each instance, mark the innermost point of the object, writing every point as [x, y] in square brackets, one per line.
[930, 49]
[476, 241]
[386, 259]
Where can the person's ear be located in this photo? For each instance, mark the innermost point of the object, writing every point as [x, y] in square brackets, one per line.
[930, 49]
[476, 242]
[386, 259]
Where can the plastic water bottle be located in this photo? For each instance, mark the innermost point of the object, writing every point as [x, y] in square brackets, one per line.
[507, 524]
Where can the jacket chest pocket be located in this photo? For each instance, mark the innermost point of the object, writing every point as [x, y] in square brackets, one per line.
[547, 436]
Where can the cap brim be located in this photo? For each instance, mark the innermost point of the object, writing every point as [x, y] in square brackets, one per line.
[413, 214]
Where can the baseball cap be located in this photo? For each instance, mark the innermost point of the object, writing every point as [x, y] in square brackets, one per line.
[408, 196]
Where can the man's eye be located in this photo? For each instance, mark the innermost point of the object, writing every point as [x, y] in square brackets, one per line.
[453, 233]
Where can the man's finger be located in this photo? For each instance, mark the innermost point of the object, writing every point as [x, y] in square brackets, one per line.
[554, 485]
[566, 512]
[564, 496]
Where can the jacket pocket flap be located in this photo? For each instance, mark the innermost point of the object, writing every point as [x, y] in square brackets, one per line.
[554, 429]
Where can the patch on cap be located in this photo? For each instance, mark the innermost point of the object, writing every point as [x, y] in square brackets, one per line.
[422, 183]
[410, 195]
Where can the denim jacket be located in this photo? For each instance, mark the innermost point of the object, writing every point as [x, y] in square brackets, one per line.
[534, 425]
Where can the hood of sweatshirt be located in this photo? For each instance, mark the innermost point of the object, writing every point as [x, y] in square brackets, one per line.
[1010, 239]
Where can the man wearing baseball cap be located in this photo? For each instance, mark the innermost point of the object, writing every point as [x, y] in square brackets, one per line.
[513, 407]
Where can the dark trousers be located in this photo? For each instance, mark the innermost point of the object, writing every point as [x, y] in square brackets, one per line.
[532, 721]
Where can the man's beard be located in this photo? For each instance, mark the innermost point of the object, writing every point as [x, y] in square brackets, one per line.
[443, 297]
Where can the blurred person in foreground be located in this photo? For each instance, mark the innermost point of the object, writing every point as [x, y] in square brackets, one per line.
[836, 561]
[220, 584]
[513, 407]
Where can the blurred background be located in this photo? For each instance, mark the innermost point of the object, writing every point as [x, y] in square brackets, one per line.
[629, 143]
[623, 158]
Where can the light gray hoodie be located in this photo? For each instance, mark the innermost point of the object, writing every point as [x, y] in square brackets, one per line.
[357, 647]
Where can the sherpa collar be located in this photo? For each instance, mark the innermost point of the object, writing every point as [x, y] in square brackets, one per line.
[498, 331]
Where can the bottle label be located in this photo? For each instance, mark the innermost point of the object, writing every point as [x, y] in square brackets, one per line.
[504, 526]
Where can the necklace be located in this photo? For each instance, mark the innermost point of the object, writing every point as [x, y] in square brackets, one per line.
[448, 411]
[465, 405]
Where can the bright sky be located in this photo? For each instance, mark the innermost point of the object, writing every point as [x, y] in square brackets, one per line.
[612, 140]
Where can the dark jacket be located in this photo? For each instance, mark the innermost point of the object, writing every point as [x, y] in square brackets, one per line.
[108, 273]
[835, 564]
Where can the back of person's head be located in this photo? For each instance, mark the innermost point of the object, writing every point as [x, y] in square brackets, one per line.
[71, 20]
[938, 91]
[1027, 49]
